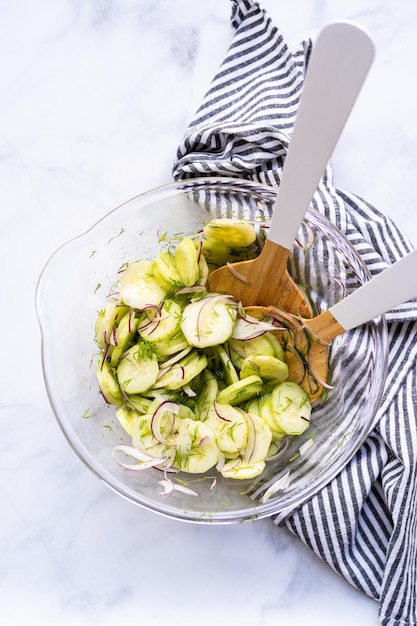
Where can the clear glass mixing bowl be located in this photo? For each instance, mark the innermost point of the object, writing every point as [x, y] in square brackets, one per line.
[73, 288]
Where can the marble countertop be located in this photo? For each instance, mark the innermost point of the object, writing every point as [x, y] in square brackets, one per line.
[95, 96]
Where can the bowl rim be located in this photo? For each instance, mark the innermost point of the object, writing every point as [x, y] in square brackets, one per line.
[258, 510]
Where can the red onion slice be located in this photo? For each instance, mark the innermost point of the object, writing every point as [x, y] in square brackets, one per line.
[172, 408]
[191, 290]
[144, 460]
[169, 487]
[244, 330]
[237, 275]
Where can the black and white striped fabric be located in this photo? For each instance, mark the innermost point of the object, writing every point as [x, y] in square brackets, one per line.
[364, 523]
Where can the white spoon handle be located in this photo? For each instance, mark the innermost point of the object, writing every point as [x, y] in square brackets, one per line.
[393, 286]
[339, 63]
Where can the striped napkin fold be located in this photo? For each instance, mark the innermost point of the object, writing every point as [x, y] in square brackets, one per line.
[364, 523]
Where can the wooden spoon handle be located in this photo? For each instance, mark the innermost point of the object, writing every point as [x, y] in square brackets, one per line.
[393, 286]
[340, 60]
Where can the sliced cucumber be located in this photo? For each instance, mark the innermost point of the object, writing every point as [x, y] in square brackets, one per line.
[114, 355]
[107, 320]
[207, 394]
[203, 270]
[231, 232]
[241, 471]
[161, 325]
[236, 358]
[143, 438]
[126, 418]
[165, 271]
[240, 392]
[267, 367]
[108, 384]
[122, 336]
[260, 441]
[182, 372]
[139, 403]
[291, 408]
[278, 349]
[138, 287]
[229, 427]
[215, 253]
[266, 413]
[186, 262]
[229, 371]
[174, 358]
[138, 369]
[209, 321]
[252, 405]
[171, 346]
[196, 450]
[258, 345]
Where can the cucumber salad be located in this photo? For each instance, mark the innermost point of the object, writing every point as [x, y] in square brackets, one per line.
[197, 383]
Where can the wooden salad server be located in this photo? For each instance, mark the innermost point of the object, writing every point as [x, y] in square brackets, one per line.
[339, 63]
[386, 290]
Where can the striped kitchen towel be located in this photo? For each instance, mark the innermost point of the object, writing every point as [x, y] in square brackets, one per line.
[364, 523]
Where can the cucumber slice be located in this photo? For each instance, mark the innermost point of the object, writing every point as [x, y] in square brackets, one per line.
[138, 287]
[241, 471]
[259, 444]
[252, 405]
[278, 349]
[203, 270]
[267, 367]
[126, 418]
[186, 262]
[258, 345]
[209, 321]
[161, 326]
[233, 232]
[182, 372]
[266, 413]
[138, 369]
[229, 427]
[114, 355]
[240, 392]
[164, 363]
[215, 253]
[143, 438]
[207, 394]
[165, 271]
[291, 408]
[106, 321]
[108, 384]
[125, 330]
[236, 358]
[174, 344]
[230, 374]
[139, 403]
[122, 337]
[196, 450]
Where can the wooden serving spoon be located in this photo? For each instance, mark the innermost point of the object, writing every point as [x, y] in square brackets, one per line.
[393, 286]
[339, 63]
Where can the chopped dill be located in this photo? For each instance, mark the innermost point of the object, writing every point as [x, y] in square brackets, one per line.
[121, 231]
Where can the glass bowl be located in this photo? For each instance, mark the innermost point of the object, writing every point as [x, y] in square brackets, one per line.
[73, 288]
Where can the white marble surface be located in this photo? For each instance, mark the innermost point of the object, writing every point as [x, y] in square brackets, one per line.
[95, 96]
